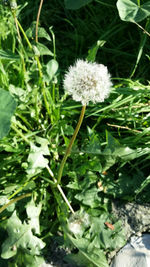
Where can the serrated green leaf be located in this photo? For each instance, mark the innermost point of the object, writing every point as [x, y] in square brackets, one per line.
[129, 10]
[112, 142]
[20, 236]
[77, 259]
[36, 158]
[96, 258]
[68, 129]
[33, 213]
[94, 146]
[7, 109]
[114, 152]
[71, 4]
[89, 197]
[104, 237]
[32, 261]
[126, 185]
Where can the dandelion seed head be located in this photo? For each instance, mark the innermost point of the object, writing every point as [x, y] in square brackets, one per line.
[87, 81]
[78, 222]
[75, 228]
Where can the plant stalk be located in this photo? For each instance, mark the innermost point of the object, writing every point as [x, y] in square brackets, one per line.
[20, 133]
[37, 20]
[14, 200]
[68, 150]
[138, 2]
[60, 190]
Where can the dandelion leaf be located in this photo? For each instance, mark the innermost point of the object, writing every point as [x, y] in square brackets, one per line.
[36, 158]
[20, 236]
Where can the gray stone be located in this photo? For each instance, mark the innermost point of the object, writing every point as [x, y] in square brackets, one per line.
[135, 254]
[135, 217]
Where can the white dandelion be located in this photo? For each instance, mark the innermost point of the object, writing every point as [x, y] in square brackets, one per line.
[87, 81]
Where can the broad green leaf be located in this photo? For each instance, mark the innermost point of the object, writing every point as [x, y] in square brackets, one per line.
[89, 197]
[126, 185]
[104, 237]
[114, 151]
[129, 10]
[31, 261]
[7, 109]
[41, 50]
[8, 55]
[42, 33]
[68, 129]
[94, 146]
[94, 258]
[77, 259]
[51, 68]
[125, 153]
[20, 236]
[112, 142]
[72, 4]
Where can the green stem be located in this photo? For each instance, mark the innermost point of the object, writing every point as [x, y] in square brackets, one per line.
[20, 133]
[138, 2]
[16, 22]
[23, 32]
[21, 187]
[37, 20]
[24, 120]
[14, 200]
[60, 172]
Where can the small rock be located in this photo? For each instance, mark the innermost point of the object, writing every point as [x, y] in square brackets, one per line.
[135, 253]
[135, 217]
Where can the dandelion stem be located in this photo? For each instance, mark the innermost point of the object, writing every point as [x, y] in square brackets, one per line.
[68, 150]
